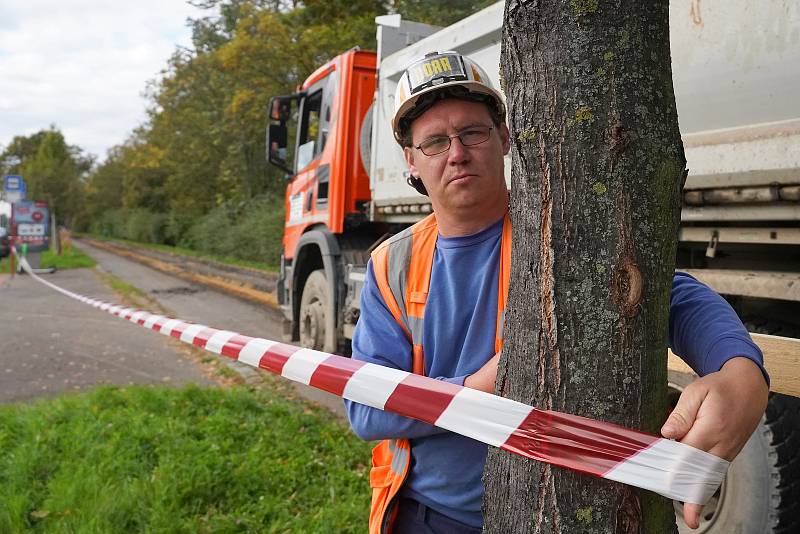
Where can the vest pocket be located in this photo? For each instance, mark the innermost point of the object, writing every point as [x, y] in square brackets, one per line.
[418, 297]
[381, 476]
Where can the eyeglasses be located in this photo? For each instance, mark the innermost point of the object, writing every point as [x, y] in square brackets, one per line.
[472, 136]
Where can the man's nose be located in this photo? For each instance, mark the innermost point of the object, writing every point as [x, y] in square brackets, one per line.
[458, 152]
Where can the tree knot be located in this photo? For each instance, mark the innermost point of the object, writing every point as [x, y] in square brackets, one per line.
[626, 290]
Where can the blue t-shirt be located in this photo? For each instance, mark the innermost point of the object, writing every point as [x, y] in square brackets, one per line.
[459, 326]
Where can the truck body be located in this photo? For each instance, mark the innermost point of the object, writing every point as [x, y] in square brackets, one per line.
[736, 72]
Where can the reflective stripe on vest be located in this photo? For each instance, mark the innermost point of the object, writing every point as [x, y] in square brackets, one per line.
[404, 283]
[390, 463]
[402, 266]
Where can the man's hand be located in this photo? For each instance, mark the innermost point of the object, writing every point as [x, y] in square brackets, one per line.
[717, 413]
[485, 377]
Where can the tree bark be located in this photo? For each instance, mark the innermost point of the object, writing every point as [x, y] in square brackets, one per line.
[598, 166]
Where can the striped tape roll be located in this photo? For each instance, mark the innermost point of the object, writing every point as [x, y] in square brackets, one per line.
[606, 450]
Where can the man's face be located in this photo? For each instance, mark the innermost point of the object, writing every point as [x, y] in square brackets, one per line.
[464, 178]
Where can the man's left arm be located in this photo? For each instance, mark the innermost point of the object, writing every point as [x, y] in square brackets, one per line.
[719, 411]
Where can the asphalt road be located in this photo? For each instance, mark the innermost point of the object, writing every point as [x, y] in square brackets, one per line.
[50, 343]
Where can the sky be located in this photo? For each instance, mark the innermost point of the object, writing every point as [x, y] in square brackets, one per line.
[83, 65]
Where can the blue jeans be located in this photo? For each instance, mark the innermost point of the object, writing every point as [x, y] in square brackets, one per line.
[413, 517]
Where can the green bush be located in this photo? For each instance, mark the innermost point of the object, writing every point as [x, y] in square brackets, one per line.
[177, 225]
[109, 224]
[135, 225]
[145, 226]
[247, 230]
[209, 232]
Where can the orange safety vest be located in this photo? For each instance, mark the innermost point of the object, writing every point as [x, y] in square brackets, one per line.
[402, 266]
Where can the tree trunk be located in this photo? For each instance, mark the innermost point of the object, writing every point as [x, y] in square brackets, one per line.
[598, 167]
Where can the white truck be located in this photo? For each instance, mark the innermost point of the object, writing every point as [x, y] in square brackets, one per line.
[736, 69]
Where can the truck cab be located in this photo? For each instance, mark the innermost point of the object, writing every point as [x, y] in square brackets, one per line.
[316, 136]
[322, 137]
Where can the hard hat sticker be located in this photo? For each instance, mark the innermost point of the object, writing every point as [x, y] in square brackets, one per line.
[435, 70]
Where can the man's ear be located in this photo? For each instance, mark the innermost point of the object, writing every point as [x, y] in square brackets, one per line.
[504, 138]
[408, 155]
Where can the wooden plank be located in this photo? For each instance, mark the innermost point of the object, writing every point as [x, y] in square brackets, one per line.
[781, 358]
[765, 284]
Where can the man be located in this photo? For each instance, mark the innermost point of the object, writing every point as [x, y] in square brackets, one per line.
[432, 299]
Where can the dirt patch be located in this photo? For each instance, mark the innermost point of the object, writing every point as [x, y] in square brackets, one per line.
[175, 291]
[248, 284]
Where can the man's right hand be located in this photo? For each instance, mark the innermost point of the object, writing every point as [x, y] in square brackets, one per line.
[484, 378]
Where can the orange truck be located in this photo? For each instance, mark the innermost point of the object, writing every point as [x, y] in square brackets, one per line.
[740, 225]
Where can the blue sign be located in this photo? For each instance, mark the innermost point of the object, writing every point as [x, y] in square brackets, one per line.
[13, 182]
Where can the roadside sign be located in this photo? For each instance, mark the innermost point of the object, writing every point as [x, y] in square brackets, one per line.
[14, 187]
[13, 182]
[29, 225]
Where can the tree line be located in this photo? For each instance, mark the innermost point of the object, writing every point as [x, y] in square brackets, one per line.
[200, 152]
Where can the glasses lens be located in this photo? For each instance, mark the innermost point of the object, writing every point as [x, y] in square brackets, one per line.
[474, 136]
[434, 145]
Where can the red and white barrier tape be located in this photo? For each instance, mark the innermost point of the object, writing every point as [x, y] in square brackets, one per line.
[610, 451]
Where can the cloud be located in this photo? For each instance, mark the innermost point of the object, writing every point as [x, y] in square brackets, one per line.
[83, 65]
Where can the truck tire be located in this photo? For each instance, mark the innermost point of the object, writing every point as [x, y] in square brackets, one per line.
[313, 307]
[762, 487]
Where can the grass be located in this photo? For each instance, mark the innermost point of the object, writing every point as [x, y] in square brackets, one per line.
[194, 460]
[130, 294]
[180, 251]
[70, 258]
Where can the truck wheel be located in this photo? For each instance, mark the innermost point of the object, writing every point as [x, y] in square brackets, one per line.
[760, 492]
[313, 307]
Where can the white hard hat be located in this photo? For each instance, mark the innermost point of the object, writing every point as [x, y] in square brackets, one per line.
[434, 72]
